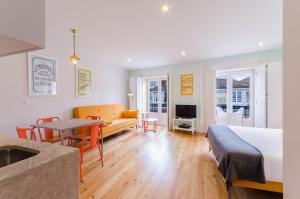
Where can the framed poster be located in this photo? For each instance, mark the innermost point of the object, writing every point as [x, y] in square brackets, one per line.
[83, 82]
[42, 75]
[186, 84]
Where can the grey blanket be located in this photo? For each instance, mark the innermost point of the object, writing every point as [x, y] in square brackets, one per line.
[237, 158]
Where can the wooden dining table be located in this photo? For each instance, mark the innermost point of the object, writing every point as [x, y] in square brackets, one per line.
[67, 125]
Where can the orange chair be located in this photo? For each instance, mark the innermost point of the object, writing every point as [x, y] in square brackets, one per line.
[22, 133]
[88, 145]
[48, 133]
[96, 118]
[78, 138]
[91, 117]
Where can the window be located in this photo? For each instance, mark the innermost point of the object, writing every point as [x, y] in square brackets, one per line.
[234, 96]
[164, 96]
[158, 96]
[221, 92]
[233, 91]
[247, 97]
[239, 96]
[153, 97]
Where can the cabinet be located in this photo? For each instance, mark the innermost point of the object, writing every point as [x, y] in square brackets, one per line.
[191, 122]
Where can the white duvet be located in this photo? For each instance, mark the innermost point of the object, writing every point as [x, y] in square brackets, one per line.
[269, 142]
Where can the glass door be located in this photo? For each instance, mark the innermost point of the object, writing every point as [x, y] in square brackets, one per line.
[221, 92]
[234, 98]
[158, 99]
[241, 89]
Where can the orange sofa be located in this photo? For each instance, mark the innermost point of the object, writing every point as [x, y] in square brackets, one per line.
[115, 117]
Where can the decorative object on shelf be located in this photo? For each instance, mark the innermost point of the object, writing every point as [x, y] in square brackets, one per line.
[42, 75]
[83, 82]
[74, 59]
[186, 84]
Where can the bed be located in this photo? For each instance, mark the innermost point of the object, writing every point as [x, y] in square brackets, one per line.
[257, 142]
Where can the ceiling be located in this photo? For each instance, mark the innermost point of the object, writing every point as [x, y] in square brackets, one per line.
[115, 30]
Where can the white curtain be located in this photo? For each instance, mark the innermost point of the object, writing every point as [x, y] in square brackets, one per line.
[132, 89]
[209, 97]
[140, 96]
[274, 110]
[260, 96]
[170, 103]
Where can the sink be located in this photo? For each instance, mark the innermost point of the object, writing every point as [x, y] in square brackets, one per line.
[12, 154]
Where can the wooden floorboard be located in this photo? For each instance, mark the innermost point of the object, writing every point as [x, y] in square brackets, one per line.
[158, 165]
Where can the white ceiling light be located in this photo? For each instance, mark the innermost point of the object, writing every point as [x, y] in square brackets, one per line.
[165, 8]
[261, 44]
[183, 53]
[129, 59]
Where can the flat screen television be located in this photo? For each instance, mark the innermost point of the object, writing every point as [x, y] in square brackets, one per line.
[186, 111]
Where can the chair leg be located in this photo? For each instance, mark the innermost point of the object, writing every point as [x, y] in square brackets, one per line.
[81, 174]
[81, 157]
[100, 154]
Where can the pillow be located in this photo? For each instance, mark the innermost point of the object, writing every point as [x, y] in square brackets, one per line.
[130, 114]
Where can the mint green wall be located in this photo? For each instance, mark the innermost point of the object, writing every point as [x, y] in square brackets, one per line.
[197, 68]
[266, 56]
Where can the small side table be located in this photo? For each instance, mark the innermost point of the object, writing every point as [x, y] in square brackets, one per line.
[148, 121]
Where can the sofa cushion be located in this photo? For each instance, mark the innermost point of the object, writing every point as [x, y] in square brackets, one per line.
[119, 124]
[130, 114]
[106, 122]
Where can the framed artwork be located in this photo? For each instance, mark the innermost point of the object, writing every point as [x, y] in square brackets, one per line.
[186, 84]
[42, 75]
[83, 82]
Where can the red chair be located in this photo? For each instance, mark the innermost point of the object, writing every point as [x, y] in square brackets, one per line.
[97, 118]
[49, 133]
[78, 138]
[22, 133]
[88, 145]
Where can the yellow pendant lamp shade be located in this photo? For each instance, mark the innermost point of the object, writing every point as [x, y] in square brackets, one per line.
[73, 58]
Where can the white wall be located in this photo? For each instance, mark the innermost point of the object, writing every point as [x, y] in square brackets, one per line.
[23, 21]
[109, 86]
[291, 99]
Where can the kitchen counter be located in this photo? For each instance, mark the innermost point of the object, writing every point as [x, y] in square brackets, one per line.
[52, 173]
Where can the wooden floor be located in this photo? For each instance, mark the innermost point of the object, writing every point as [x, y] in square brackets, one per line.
[157, 165]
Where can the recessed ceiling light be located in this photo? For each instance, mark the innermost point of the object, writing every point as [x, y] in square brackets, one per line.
[183, 53]
[165, 8]
[261, 44]
[129, 59]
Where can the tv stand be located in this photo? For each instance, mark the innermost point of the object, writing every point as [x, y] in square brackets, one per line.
[178, 121]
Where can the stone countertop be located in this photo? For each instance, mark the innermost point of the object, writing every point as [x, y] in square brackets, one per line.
[47, 153]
